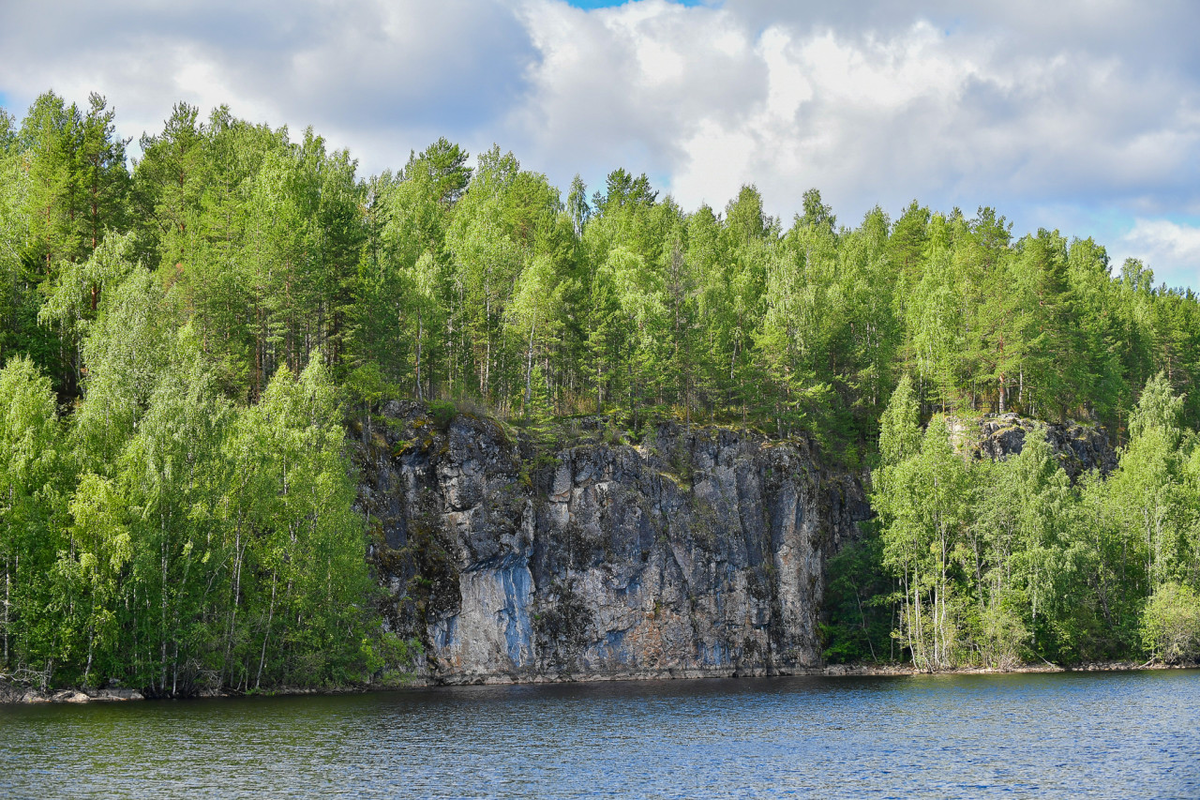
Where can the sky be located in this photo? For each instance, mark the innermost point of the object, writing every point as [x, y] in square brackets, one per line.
[1081, 115]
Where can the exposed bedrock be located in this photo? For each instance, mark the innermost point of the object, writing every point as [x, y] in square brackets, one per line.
[573, 555]
[569, 553]
[1079, 448]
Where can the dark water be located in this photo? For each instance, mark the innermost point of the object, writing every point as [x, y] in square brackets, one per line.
[1113, 735]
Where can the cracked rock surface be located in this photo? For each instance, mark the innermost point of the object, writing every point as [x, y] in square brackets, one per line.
[571, 554]
[1078, 448]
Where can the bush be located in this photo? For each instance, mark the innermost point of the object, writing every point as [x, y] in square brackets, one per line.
[1171, 624]
[442, 412]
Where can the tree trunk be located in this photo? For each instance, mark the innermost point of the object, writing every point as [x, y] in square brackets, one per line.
[262, 659]
[7, 604]
[420, 334]
[236, 591]
[162, 684]
[529, 368]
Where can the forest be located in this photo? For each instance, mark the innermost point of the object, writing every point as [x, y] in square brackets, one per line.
[186, 334]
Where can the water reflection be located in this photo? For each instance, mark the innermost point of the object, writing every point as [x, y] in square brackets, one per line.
[1060, 735]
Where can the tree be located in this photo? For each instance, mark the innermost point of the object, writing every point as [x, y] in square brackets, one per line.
[534, 304]
[19, 297]
[1026, 554]
[169, 183]
[681, 286]
[124, 352]
[577, 205]
[635, 304]
[487, 263]
[32, 483]
[1148, 487]
[624, 189]
[816, 213]
[443, 164]
[172, 474]
[923, 505]
[899, 429]
[49, 140]
[909, 239]
[423, 282]
[307, 550]
[103, 177]
[73, 301]
[91, 573]
[1171, 624]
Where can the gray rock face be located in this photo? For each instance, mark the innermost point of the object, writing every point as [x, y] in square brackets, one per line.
[1079, 448]
[579, 556]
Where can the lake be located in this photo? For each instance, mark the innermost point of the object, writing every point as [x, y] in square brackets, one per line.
[1104, 735]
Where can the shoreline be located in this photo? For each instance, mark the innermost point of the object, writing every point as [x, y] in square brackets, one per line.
[14, 694]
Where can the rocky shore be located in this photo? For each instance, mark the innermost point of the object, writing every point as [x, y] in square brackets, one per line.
[16, 693]
[11, 694]
[582, 551]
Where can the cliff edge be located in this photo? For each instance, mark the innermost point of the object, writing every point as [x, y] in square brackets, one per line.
[571, 553]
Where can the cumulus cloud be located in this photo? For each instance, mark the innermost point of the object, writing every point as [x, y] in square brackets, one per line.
[1170, 248]
[373, 72]
[621, 86]
[959, 105]
[1091, 108]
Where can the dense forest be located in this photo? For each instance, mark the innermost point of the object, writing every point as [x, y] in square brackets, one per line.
[185, 335]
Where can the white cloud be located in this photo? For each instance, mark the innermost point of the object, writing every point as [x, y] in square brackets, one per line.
[1094, 106]
[1017, 105]
[624, 86]
[1171, 249]
[380, 76]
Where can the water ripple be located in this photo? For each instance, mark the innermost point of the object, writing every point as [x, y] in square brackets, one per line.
[1096, 735]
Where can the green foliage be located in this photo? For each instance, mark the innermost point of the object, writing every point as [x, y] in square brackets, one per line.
[899, 427]
[188, 522]
[859, 615]
[923, 508]
[997, 563]
[442, 413]
[34, 479]
[387, 658]
[1171, 624]
[1158, 410]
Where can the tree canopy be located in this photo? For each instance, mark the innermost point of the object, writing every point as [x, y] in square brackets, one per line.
[183, 335]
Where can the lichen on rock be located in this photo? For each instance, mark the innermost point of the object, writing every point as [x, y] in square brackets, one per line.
[1079, 448]
[571, 554]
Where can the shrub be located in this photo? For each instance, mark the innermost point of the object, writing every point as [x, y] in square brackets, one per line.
[1171, 624]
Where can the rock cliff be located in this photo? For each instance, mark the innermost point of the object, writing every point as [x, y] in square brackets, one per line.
[571, 553]
[1079, 448]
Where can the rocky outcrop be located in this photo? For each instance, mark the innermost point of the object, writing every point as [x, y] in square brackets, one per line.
[572, 553]
[1079, 448]
[11, 692]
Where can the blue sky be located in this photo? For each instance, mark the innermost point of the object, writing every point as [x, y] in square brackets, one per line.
[1079, 115]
